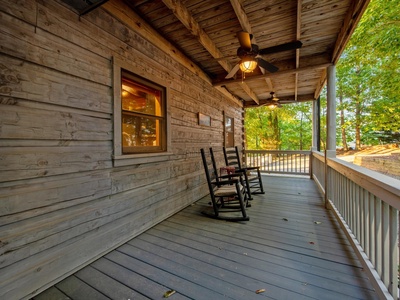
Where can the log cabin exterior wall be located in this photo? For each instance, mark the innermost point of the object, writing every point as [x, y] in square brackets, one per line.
[63, 202]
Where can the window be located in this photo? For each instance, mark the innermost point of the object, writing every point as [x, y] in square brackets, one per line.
[143, 115]
[141, 119]
[229, 132]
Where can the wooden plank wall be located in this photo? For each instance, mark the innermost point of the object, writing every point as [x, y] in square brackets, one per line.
[62, 203]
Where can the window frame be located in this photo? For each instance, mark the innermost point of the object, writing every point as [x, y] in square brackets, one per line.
[140, 157]
[228, 133]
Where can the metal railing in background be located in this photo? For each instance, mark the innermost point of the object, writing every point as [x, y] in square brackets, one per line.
[282, 162]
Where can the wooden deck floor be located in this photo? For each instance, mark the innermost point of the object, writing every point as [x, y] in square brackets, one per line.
[291, 247]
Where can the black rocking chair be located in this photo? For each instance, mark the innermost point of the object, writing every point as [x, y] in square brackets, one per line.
[228, 194]
[252, 175]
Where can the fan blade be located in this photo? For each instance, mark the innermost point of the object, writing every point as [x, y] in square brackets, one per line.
[266, 65]
[233, 71]
[280, 48]
[244, 40]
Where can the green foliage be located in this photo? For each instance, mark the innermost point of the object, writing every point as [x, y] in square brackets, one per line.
[368, 82]
[286, 128]
[368, 74]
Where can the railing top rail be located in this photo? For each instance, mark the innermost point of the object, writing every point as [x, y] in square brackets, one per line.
[382, 186]
[279, 151]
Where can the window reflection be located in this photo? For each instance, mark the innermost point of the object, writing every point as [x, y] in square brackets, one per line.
[142, 116]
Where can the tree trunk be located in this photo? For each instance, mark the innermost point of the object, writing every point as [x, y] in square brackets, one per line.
[301, 131]
[276, 131]
[344, 141]
[358, 125]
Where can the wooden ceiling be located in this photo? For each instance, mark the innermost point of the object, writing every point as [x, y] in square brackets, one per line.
[205, 31]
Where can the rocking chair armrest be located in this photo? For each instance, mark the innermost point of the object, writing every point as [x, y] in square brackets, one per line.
[244, 169]
[229, 176]
[226, 182]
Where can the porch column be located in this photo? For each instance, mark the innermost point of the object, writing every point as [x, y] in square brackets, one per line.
[331, 112]
[316, 125]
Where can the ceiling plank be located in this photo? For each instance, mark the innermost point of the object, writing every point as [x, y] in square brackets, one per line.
[246, 26]
[183, 14]
[125, 14]
[298, 36]
[242, 17]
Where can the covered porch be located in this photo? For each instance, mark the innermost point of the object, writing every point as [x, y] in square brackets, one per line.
[292, 247]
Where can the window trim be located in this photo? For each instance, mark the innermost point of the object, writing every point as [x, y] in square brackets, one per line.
[119, 158]
[226, 141]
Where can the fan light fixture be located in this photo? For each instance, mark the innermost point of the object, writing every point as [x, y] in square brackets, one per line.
[273, 97]
[248, 64]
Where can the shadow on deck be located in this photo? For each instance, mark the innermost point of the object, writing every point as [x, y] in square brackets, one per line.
[291, 247]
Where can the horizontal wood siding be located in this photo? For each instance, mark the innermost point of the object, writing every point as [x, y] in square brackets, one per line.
[63, 203]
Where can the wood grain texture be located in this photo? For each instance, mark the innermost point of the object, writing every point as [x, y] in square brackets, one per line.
[292, 247]
[63, 200]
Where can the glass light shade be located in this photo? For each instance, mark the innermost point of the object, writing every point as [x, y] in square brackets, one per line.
[248, 65]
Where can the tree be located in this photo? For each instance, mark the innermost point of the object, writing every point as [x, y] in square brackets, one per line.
[368, 75]
[286, 128]
[368, 89]
[262, 128]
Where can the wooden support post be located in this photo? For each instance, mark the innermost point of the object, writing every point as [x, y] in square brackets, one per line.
[330, 151]
[331, 112]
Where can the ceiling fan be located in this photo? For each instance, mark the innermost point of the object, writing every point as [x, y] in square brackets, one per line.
[274, 101]
[249, 54]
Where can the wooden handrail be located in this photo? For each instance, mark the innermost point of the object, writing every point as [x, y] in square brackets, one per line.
[366, 204]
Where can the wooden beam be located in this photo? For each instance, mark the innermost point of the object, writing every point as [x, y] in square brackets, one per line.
[321, 84]
[242, 17]
[283, 100]
[246, 26]
[353, 16]
[351, 20]
[126, 15]
[298, 35]
[183, 14]
[244, 22]
[229, 95]
[249, 92]
[278, 73]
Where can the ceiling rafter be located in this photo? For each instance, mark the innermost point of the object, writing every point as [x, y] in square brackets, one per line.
[184, 16]
[298, 35]
[349, 25]
[316, 66]
[246, 26]
[205, 29]
[284, 100]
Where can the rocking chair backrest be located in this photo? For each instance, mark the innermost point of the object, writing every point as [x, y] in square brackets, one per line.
[208, 165]
[232, 157]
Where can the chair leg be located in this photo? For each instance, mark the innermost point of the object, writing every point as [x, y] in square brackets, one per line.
[260, 182]
[247, 187]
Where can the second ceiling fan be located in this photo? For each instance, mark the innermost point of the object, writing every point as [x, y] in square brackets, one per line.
[249, 54]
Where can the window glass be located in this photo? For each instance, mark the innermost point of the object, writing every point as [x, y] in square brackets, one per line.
[229, 132]
[143, 120]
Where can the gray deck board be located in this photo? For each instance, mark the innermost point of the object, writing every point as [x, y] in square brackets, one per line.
[292, 247]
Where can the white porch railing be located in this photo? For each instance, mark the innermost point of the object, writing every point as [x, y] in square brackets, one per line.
[282, 162]
[367, 205]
